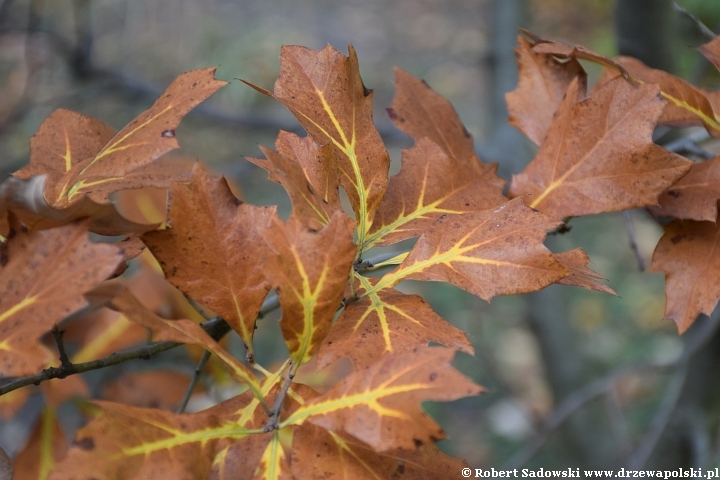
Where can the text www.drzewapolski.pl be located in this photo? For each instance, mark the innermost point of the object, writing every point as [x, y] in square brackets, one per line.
[577, 473]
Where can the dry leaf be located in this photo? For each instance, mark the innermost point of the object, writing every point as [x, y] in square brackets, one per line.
[542, 83]
[598, 155]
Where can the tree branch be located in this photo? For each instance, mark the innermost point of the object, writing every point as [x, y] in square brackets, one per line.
[217, 328]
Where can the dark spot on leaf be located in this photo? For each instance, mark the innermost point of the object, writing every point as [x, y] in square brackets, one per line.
[3, 257]
[433, 376]
[11, 234]
[401, 468]
[534, 209]
[309, 187]
[367, 91]
[174, 271]
[418, 443]
[168, 134]
[424, 82]
[391, 113]
[467, 204]
[466, 133]
[86, 444]
[673, 193]
[194, 84]
[676, 239]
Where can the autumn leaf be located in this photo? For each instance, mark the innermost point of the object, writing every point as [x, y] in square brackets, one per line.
[576, 261]
[421, 112]
[214, 252]
[273, 464]
[43, 276]
[430, 184]
[24, 198]
[689, 257]
[542, 83]
[83, 156]
[598, 155]
[386, 322]
[686, 104]
[139, 443]
[711, 50]
[181, 331]
[163, 389]
[684, 100]
[223, 442]
[495, 252]
[316, 161]
[324, 91]
[309, 206]
[694, 196]
[149, 136]
[309, 270]
[319, 453]
[380, 405]
[47, 446]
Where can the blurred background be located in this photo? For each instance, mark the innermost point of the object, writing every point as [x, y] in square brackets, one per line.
[575, 378]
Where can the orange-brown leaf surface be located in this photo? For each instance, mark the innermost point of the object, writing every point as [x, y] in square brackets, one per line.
[47, 446]
[711, 50]
[309, 269]
[43, 276]
[576, 261]
[309, 206]
[421, 112]
[542, 83]
[181, 331]
[386, 322]
[686, 104]
[83, 156]
[324, 91]
[694, 196]
[63, 142]
[319, 453]
[431, 184]
[148, 444]
[163, 389]
[598, 155]
[316, 161]
[689, 256]
[213, 251]
[149, 136]
[495, 252]
[380, 405]
[25, 199]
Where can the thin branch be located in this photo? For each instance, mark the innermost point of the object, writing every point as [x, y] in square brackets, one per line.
[699, 26]
[217, 328]
[701, 337]
[569, 406]
[633, 242]
[277, 407]
[193, 382]
[601, 386]
[689, 144]
[64, 359]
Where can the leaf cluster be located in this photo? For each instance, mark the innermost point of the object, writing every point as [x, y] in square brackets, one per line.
[238, 260]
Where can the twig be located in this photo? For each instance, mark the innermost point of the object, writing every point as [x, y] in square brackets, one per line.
[193, 382]
[699, 26]
[674, 391]
[633, 243]
[689, 144]
[598, 387]
[64, 359]
[217, 328]
[569, 406]
[277, 407]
